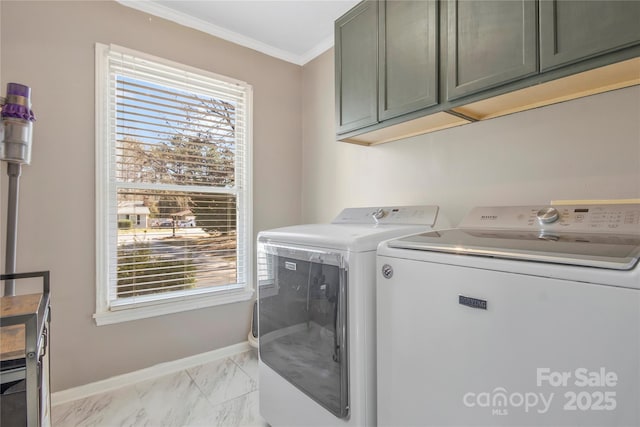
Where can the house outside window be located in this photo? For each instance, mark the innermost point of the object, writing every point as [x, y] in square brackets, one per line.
[135, 214]
[173, 210]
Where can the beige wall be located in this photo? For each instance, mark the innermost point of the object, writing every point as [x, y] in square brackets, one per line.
[582, 149]
[50, 47]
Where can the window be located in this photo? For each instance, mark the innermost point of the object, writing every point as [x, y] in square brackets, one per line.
[173, 195]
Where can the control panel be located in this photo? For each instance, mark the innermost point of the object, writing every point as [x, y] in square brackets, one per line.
[389, 215]
[616, 219]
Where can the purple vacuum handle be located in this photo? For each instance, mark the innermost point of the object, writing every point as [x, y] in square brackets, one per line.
[18, 103]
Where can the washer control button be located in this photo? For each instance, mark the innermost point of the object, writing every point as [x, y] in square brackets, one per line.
[548, 215]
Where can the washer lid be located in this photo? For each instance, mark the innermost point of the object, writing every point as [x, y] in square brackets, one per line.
[611, 251]
[348, 237]
[358, 229]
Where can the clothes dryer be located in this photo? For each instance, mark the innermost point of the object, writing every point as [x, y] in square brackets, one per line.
[522, 316]
[316, 311]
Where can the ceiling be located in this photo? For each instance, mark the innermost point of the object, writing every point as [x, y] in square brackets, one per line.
[292, 30]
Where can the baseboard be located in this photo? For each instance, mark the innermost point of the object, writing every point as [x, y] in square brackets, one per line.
[155, 371]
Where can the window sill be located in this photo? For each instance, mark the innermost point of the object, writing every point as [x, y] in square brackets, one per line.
[125, 314]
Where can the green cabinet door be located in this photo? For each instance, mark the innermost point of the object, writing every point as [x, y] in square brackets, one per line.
[571, 30]
[408, 61]
[489, 43]
[356, 56]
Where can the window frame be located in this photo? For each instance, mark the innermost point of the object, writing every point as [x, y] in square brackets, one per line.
[112, 311]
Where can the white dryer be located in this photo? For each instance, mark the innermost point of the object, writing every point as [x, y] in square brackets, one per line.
[316, 311]
[522, 316]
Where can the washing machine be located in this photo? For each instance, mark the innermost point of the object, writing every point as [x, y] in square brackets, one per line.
[316, 315]
[521, 316]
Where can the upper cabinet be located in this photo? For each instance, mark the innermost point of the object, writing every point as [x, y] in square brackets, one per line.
[388, 70]
[489, 43]
[410, 67]
[386, 61]
[356, 62]
[574, 30]
[408, 57]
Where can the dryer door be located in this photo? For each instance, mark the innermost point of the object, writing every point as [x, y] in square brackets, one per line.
[302, 324]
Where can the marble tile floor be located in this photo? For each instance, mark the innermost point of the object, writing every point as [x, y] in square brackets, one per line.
[223, 393]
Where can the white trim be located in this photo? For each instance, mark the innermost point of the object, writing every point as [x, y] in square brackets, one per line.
[248, 192]
[102, 166]
[317, 50]
[166, 368]
[214, 30]
[173, 64]
[175, 187]
[170, 307]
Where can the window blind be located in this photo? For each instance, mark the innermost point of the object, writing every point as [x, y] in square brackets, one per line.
[176, 187]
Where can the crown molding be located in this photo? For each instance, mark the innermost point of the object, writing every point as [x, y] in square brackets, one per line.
[317, 50]
[164, 12]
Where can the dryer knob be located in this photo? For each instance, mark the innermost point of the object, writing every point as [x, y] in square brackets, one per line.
[548, 215]
[379, 214]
